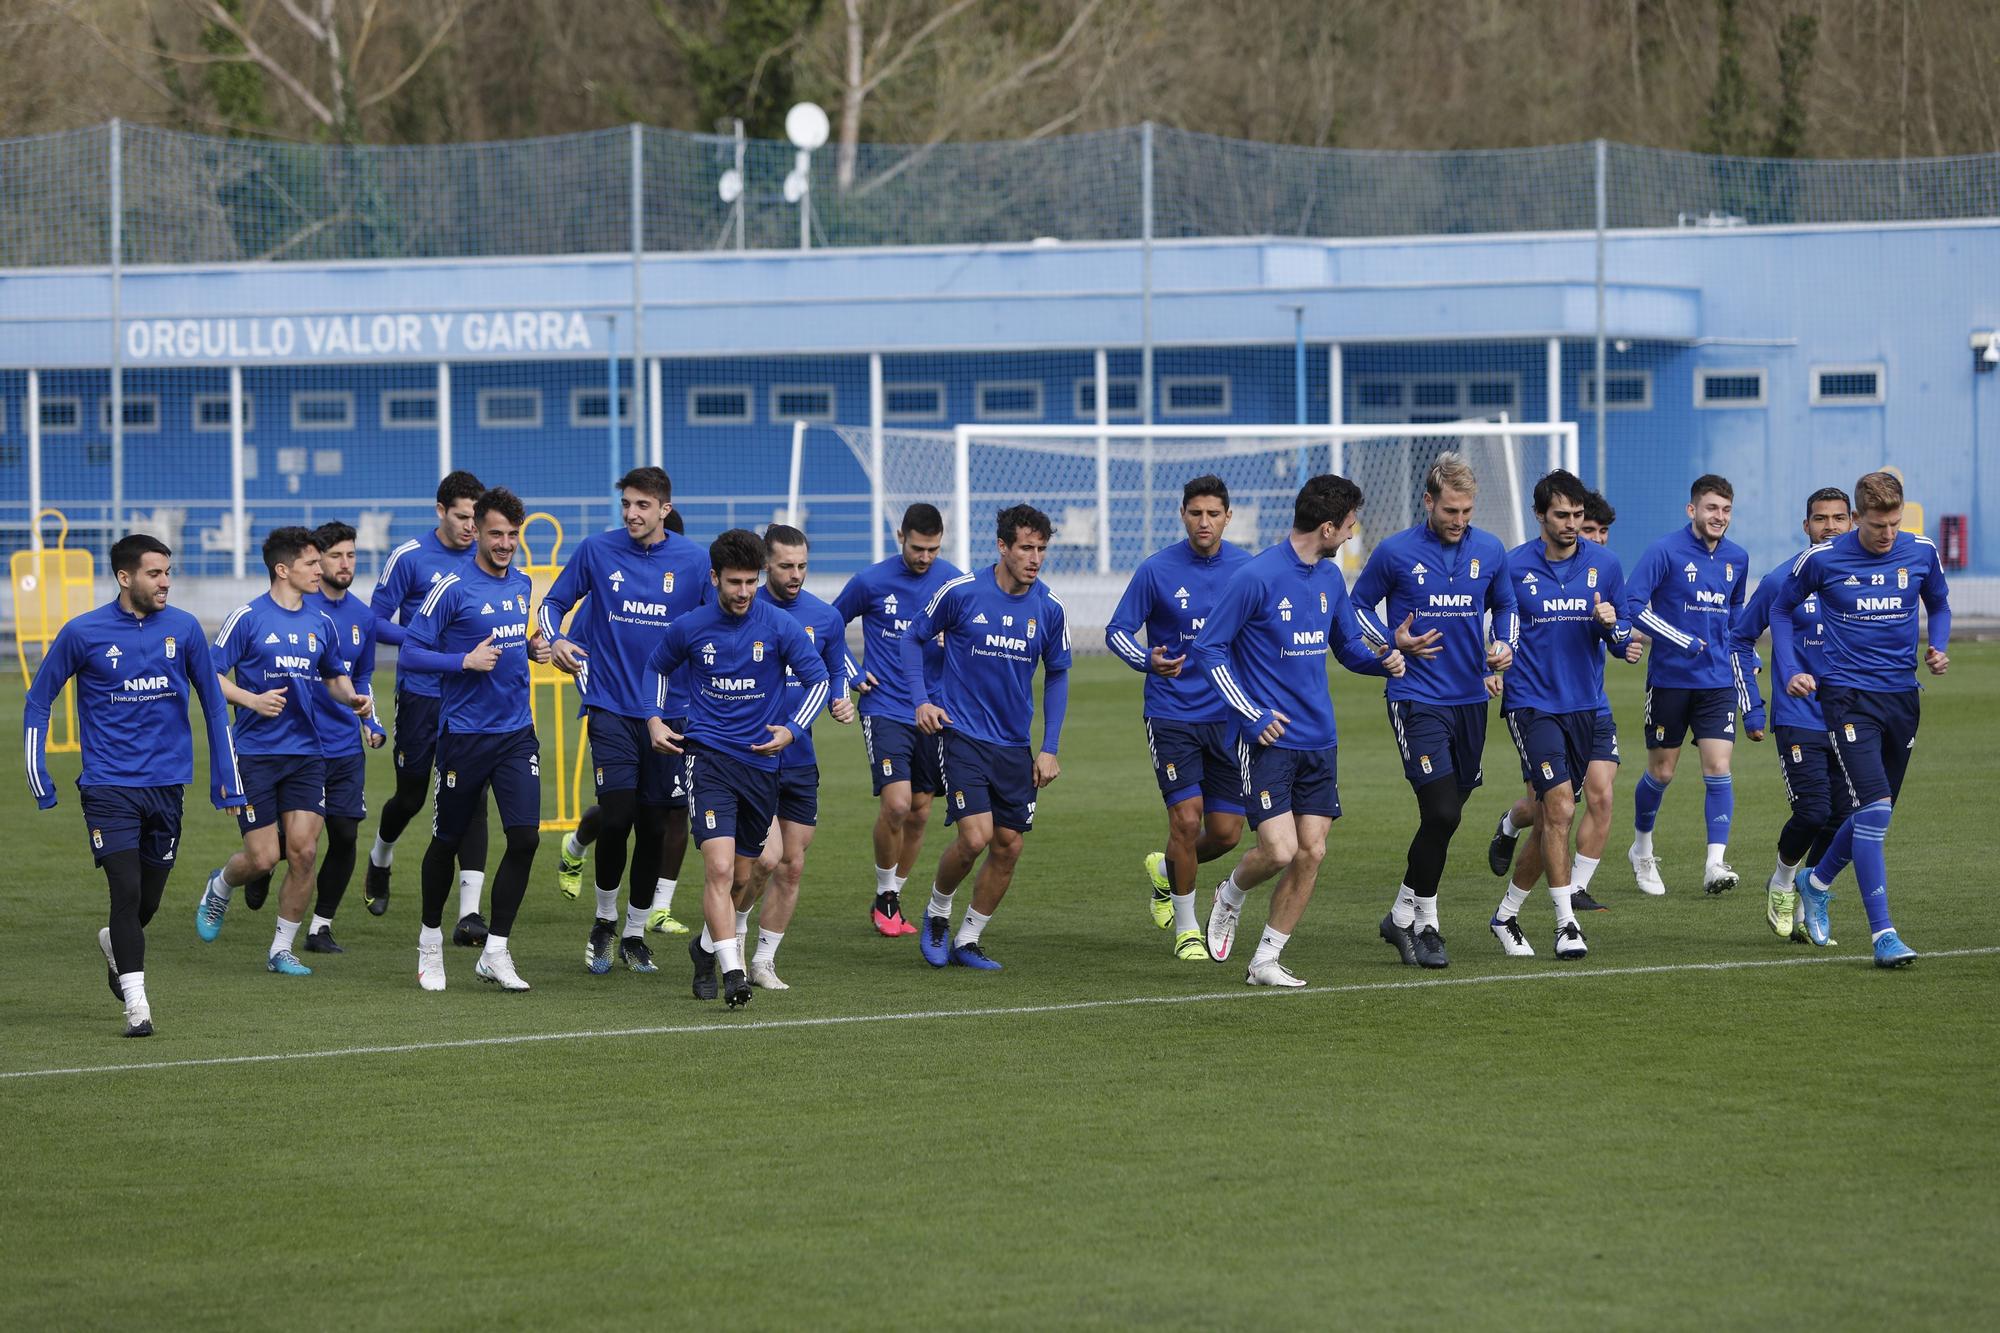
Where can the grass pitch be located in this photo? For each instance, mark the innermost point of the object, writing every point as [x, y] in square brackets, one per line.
[1700, 1125]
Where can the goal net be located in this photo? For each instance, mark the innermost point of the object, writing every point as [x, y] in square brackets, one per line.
[1113, 492]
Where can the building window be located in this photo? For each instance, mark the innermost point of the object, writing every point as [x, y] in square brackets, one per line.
[510, 409]
[1007, 400]
[326, 410]
[409, 409]
[719, 405]
[62, 416]
[801, 402]
[1195, 395]
[591, 407]
[1729, 388]
[1624, 391]
[142, 414]
[211, 412]
[1393, 399]
[1849, 386]
[913, 402]
[1121, 392]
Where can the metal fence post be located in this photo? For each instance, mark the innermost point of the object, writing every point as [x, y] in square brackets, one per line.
[117, 332]
[444, 419]
[34, 461]
[638, 296]
[1146, 324]
[238, 520]
[877, 506]
[1598, 361]
[1101, 369]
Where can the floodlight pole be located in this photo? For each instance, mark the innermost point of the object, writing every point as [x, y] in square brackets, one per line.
[1146, 323]
[803, 165]
[111, 532]
[1597, 368]
[638, 296]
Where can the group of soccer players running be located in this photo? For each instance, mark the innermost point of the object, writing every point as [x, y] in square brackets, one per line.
[700, 674]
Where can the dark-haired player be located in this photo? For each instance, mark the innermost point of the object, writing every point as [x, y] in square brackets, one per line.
[740, 653]
[1190, 730]
[412, 570]
[135, 661]
[902, 767]
[281, 650]
[997, 624]
[632, 582]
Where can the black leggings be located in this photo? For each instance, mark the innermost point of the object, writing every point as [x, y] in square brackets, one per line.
[337, 866]
[620, 814]
[509, 886]
[413, 790]
[136, 886]
[1439, 804]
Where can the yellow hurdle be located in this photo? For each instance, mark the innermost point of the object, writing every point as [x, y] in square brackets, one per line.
[52, 585]
[560, 736]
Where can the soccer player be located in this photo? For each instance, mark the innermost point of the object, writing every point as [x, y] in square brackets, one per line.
[1440, 578]
[280, 649]
[1683, 593]
[741, 715]
[774, 880]
[136, 661]
[633, 582]
[1264, 650]
[902, 767]
[472, 632]
[1600, 782]
[996, 624]
[1869, 582]
[412, 570]
[1568, 591]
[1190, 728]
[1806, 758]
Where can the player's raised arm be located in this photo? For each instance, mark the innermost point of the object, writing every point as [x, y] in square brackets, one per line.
[225, 782]
[1801, 583]
[1936, 597]
[1647, 576]
[938, 616]
[571, 586]
[387, 599]
[54, 673]
[803, 657]
[1358, 641]
[669, 655]
[421, 651]
[1128, 618]
[364, 678]
[1211, 647]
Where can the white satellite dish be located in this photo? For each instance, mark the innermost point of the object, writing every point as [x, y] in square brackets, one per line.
[730, 187]
[806, 126]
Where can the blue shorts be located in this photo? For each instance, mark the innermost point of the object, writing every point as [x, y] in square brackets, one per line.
[1872, 737]
[1672, 713]
[509, 762]
[1604, 740]
[983, 778]
[1196, 759]
[416, 730]
[277, 783]
[1277, 781]
[1554, 747]
[124, 819]
[798, 794]
[1440, 739]
[728, 798]
[898, 752]
[623, 757]
[1813, 784]
[347, 786]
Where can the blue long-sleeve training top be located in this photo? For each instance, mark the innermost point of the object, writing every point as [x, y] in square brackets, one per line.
[463, 608]
[354, 638]
[1808, 643]
[886, 597]
[993, 640]
[1264, 647]
[1868, 609]
[271, 648]
[133, 677]
[630, 595]
[1169, 599]
[737, 674]
[1449, 588]
[1559, 662]
[1685, 596]
[407, 577]
[828, 633]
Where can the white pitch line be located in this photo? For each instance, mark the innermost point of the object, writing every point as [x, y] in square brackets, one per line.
[1072, 1006]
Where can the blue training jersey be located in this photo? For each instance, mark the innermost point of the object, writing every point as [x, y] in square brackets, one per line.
[270, 648]
[1685, 596]
[408, 576]
[993, 640]
[1448, 588]
[1169, 597]
[133, 677]
[354, 638]
[1808, 644]
[828, 633]
[739, 668]
[1559, 662]
[886, 598]
[1868, 608]
[461, 611]
[630, 594]
[1265, 644]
